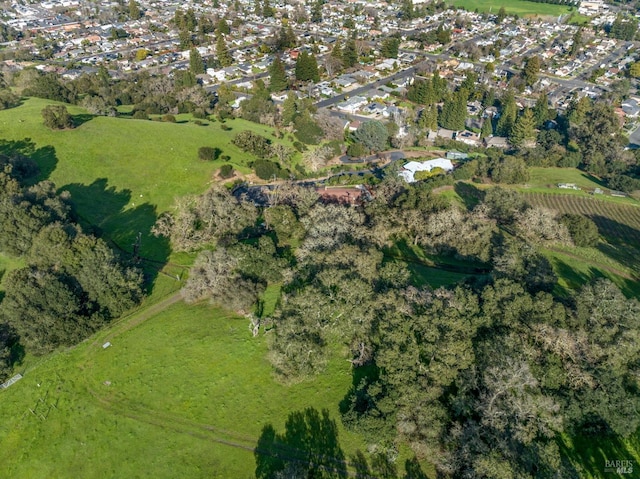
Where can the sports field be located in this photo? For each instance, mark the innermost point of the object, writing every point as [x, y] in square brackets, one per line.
[512, 7]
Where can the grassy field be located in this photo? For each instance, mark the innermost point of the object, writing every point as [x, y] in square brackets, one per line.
[186, 394]
[122, 173]
[520, 7]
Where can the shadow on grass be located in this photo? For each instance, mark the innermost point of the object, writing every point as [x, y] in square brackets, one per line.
[470, 194]
[44, 157]
[588, 456]
[81, 119]
[575, 279]
[308, 447]
[594, 179]
[110, 214]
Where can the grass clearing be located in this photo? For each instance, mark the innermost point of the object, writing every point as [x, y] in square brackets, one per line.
[512, 7]
[188, 395]
[122, 173]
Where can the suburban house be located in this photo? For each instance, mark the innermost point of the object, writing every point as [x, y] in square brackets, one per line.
[409, 170]
[496, 142]
[353, 104]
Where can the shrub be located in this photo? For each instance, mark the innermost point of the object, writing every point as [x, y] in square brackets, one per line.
[169, 118]
[253, 143]
[140, 115]
[225, 127]
[299, 146]
[226, 171]
[357, 150]
[225, 157]
[266, 169]
[207, 153]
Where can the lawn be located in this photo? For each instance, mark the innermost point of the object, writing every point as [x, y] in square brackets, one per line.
[120, 172]
[186, 394]
[519, 7]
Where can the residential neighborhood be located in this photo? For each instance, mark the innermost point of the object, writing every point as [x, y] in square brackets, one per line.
[73, 37]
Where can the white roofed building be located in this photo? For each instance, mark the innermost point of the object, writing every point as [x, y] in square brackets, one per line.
[409, 170]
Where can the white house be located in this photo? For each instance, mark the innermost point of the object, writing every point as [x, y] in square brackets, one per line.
[412, 167]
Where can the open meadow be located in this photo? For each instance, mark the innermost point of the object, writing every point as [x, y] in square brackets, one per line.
[184, 395]
[122, 173]
[512, 7]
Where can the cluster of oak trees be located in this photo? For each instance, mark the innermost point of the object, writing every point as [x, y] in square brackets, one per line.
[481, 378]
[71, 283]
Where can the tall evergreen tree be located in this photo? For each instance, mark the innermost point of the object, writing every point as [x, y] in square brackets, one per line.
[134, 10]
[439, 86]
[307, 67]
[196, 64]
[316, 11]
[541, 110]
[508, 114]
[487, 128]
[523, 132]
[277, 76]
[350, 53]
[222, 52]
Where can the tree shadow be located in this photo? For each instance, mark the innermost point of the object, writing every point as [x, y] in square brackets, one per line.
[471, 196]
[13, 151]
[594, 179]
[588, 456]
[109, 214]
[308, 447]
[81, 119]
[413, 469]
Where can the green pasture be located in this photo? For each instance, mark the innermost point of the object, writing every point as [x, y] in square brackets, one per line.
[513, 7]
[122, 173]
[185, 394]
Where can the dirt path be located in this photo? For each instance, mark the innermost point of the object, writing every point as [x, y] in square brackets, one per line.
[136, 318]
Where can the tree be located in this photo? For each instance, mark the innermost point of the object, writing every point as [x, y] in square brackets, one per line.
[523, 132]
[222, 52]
[196, 64]
[487, 128]
[306, 68]
[134, 10]
[541, 110]
[57, 117]
[583, 231]
[508, 114]
[215, 276]
[200, 220]
[267, 9]
[454, 111]
[223, 27]
[350, 53]
[634, 70]
[316, 11]
[390, 47]
[531, 69]
[278, 80]
[373, 135]
[502, 14]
